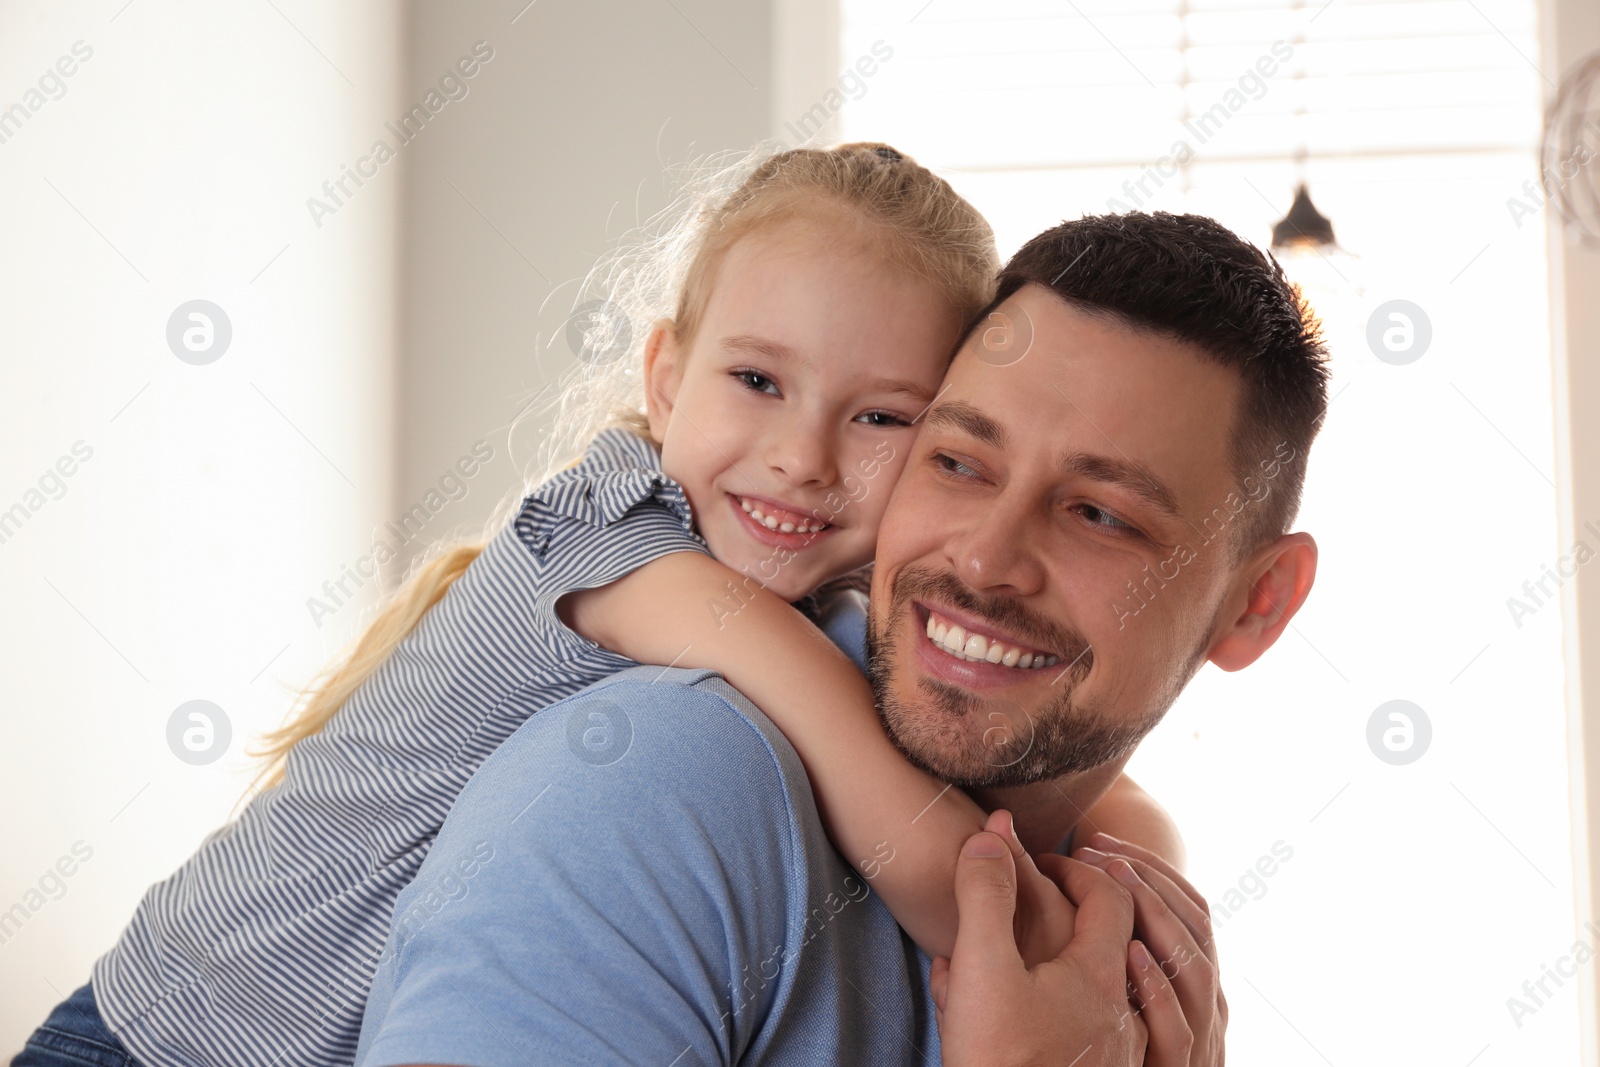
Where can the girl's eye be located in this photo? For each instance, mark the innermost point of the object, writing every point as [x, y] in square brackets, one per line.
[757, 382]
[1100, 517]
[881, 419]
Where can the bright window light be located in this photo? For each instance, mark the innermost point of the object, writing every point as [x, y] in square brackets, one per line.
[1368, 911]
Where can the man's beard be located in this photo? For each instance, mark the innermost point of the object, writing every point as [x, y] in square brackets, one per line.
[1018, 746]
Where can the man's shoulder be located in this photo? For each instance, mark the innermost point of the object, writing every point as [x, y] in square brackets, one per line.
[653, 758]
[650, 731]
[674, 768]
[641, 867]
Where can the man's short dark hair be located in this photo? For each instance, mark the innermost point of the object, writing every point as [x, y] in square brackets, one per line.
[1190, 278]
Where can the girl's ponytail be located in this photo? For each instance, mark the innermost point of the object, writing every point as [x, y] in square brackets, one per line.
[328, 692]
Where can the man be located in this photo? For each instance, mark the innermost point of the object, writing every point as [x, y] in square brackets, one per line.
[640, 874]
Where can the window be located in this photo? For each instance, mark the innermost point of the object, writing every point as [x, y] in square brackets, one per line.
[1368, 912]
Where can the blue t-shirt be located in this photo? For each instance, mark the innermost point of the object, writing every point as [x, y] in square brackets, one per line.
[639, 875]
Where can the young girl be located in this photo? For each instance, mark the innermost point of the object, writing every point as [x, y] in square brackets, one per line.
[810, 329]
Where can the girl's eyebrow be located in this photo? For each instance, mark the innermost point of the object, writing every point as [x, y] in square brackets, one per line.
[761, 346]
[916, 391]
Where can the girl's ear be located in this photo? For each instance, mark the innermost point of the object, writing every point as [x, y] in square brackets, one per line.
[663, 364]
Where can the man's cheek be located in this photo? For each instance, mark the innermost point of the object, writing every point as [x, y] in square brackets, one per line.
[874, 514]
[884, 468]
[891, 550]
[922, 540]
[910, 521]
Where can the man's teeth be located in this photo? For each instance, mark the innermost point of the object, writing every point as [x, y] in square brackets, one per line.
[782, 527]
[975, 648]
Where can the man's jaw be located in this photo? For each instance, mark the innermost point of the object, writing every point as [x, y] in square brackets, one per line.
[938, 711]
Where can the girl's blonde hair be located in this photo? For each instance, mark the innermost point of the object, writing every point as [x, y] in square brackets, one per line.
[665, 270]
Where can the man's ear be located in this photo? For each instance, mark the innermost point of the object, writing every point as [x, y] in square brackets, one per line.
[663, 365]
[1270, 590]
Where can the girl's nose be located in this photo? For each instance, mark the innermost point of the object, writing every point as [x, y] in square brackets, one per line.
[804, 455]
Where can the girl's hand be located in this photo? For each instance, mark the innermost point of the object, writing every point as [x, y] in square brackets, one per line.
[1045, 918]
[1173, 965]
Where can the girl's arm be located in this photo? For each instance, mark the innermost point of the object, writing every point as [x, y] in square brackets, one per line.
[901, 828]
[1128, 813]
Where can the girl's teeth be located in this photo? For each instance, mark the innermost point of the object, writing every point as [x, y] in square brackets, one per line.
[771, 523]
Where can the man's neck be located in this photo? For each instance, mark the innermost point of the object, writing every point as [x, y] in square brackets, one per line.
[1046, 812]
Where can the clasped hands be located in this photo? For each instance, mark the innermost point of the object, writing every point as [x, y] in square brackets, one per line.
[1116, 964]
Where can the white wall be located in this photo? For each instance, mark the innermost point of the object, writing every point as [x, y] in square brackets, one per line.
[563, 144]
[1572, 31]
[368, 354]
[174, 562]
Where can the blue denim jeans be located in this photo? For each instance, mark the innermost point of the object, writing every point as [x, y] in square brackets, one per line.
[74, 1036]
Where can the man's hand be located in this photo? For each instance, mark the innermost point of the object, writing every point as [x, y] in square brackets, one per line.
[1179, 990]
[995, 1011]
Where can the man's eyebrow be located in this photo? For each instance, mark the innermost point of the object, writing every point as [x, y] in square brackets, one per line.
[963, 417]
[1135, 477]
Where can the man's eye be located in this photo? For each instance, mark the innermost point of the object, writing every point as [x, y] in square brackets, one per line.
[1100, 517]
[951, 465]
[881, 419]
[757, 382]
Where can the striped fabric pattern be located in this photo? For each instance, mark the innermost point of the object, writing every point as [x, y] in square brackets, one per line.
[261, 949]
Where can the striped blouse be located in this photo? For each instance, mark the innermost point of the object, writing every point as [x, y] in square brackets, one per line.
[261, 948]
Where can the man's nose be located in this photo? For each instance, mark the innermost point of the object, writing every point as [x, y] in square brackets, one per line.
[995, 552]
[804, 453]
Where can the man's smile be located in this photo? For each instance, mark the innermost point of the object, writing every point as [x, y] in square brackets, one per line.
[975, 642]
[941, 628]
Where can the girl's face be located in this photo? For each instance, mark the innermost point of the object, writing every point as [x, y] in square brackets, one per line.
[790, 415]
